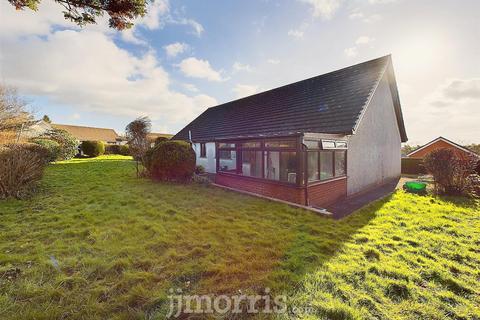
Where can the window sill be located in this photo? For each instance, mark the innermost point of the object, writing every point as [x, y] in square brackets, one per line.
[314, 183]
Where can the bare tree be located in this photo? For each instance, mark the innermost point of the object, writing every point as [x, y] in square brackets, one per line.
[136, 132]
[14, 117]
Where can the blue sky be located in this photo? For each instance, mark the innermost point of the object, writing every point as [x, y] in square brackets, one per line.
[188, 55]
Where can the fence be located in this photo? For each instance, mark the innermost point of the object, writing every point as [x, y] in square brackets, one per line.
[413, 166]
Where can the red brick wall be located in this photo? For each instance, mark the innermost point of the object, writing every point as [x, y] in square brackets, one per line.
[320, 195]
[324, 194]
[440, 144]
[262, 187]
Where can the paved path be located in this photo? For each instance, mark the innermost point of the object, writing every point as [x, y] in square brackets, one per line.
[343, 208]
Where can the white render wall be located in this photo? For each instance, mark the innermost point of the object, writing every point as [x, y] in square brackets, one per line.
[209, 163]
[374, 151]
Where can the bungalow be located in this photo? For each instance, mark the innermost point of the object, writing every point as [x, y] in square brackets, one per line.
[82, 133]
[441, 143]
[312, 142]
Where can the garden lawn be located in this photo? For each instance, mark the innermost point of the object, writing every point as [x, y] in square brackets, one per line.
[96, 242]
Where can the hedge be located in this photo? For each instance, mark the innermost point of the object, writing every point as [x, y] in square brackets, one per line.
[93, 148]
[413, 166]
[117, 149]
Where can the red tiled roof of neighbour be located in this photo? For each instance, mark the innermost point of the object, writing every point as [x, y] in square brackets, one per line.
[89, 133]
[439, 143]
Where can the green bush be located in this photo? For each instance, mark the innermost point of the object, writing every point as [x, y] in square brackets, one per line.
[171, 161]
[21, 167]
[116, 149]
[68, 143]
[93, 148]
[52, 146]
[125, 150]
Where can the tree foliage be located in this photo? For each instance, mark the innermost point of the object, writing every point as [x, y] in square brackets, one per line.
[136, 133]
[406, 149]
[83, 12]
[450, 172]
[46, 119]
[68, 143]
[14, 116]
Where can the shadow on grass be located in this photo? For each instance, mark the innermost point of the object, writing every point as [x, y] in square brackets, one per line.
[200, 239]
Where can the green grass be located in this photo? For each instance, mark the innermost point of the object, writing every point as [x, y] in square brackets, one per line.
[121, 242]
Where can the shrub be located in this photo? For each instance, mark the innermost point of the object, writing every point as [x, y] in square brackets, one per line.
[52, 146]
[450, 172]
[116, 149]
[171, 161]
[68, 143]
[21, 167]
[93, 148]
[159, 140]
[412, 166]
[112, 149]
[199, 169]
[125, 150]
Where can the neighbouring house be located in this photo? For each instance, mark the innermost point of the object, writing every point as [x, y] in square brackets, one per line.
[82, 133]
[37, 129]
[441, 143]
[312, 142]
[152, 136]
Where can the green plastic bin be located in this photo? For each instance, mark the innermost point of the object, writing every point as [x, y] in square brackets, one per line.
[415, 187]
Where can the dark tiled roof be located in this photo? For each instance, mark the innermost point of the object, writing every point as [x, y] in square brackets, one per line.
[329, 103]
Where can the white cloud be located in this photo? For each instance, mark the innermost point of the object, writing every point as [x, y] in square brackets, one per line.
[364, 40]
[273, 61]
[295, 33]
[244, 90]
[190, 87]
[75, 116]
[323, 8]
[62, 67]
[380, 1]
[351, 52]
[197, 68]
[155, 11]
[237, 66]
[176, 48]
[456, 91]
[196, 26]
[367, 19]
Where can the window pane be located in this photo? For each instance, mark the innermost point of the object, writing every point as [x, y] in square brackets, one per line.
[226, 145]
[252, 163]
[272, 165]
[328, 144]
[326, 165]
[341, 144]
[313, 166]
[251, 144]
[203, 150]
[227, 161]
[311, 144]
[339, 163]
[288, 167]
[280, 144]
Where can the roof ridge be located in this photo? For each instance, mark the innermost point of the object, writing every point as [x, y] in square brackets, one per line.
[89, 127]
[304, 80]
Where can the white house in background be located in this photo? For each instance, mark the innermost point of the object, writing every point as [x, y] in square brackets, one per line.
[312, 142]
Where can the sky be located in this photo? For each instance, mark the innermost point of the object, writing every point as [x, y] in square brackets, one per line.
[187, 55]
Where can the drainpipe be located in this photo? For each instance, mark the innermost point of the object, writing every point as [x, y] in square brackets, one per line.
[305, 174]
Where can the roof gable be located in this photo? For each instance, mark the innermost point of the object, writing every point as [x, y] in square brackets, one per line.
[453, 144]
[329, 103]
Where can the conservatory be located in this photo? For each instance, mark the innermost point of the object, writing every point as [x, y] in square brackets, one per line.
[297, 169]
